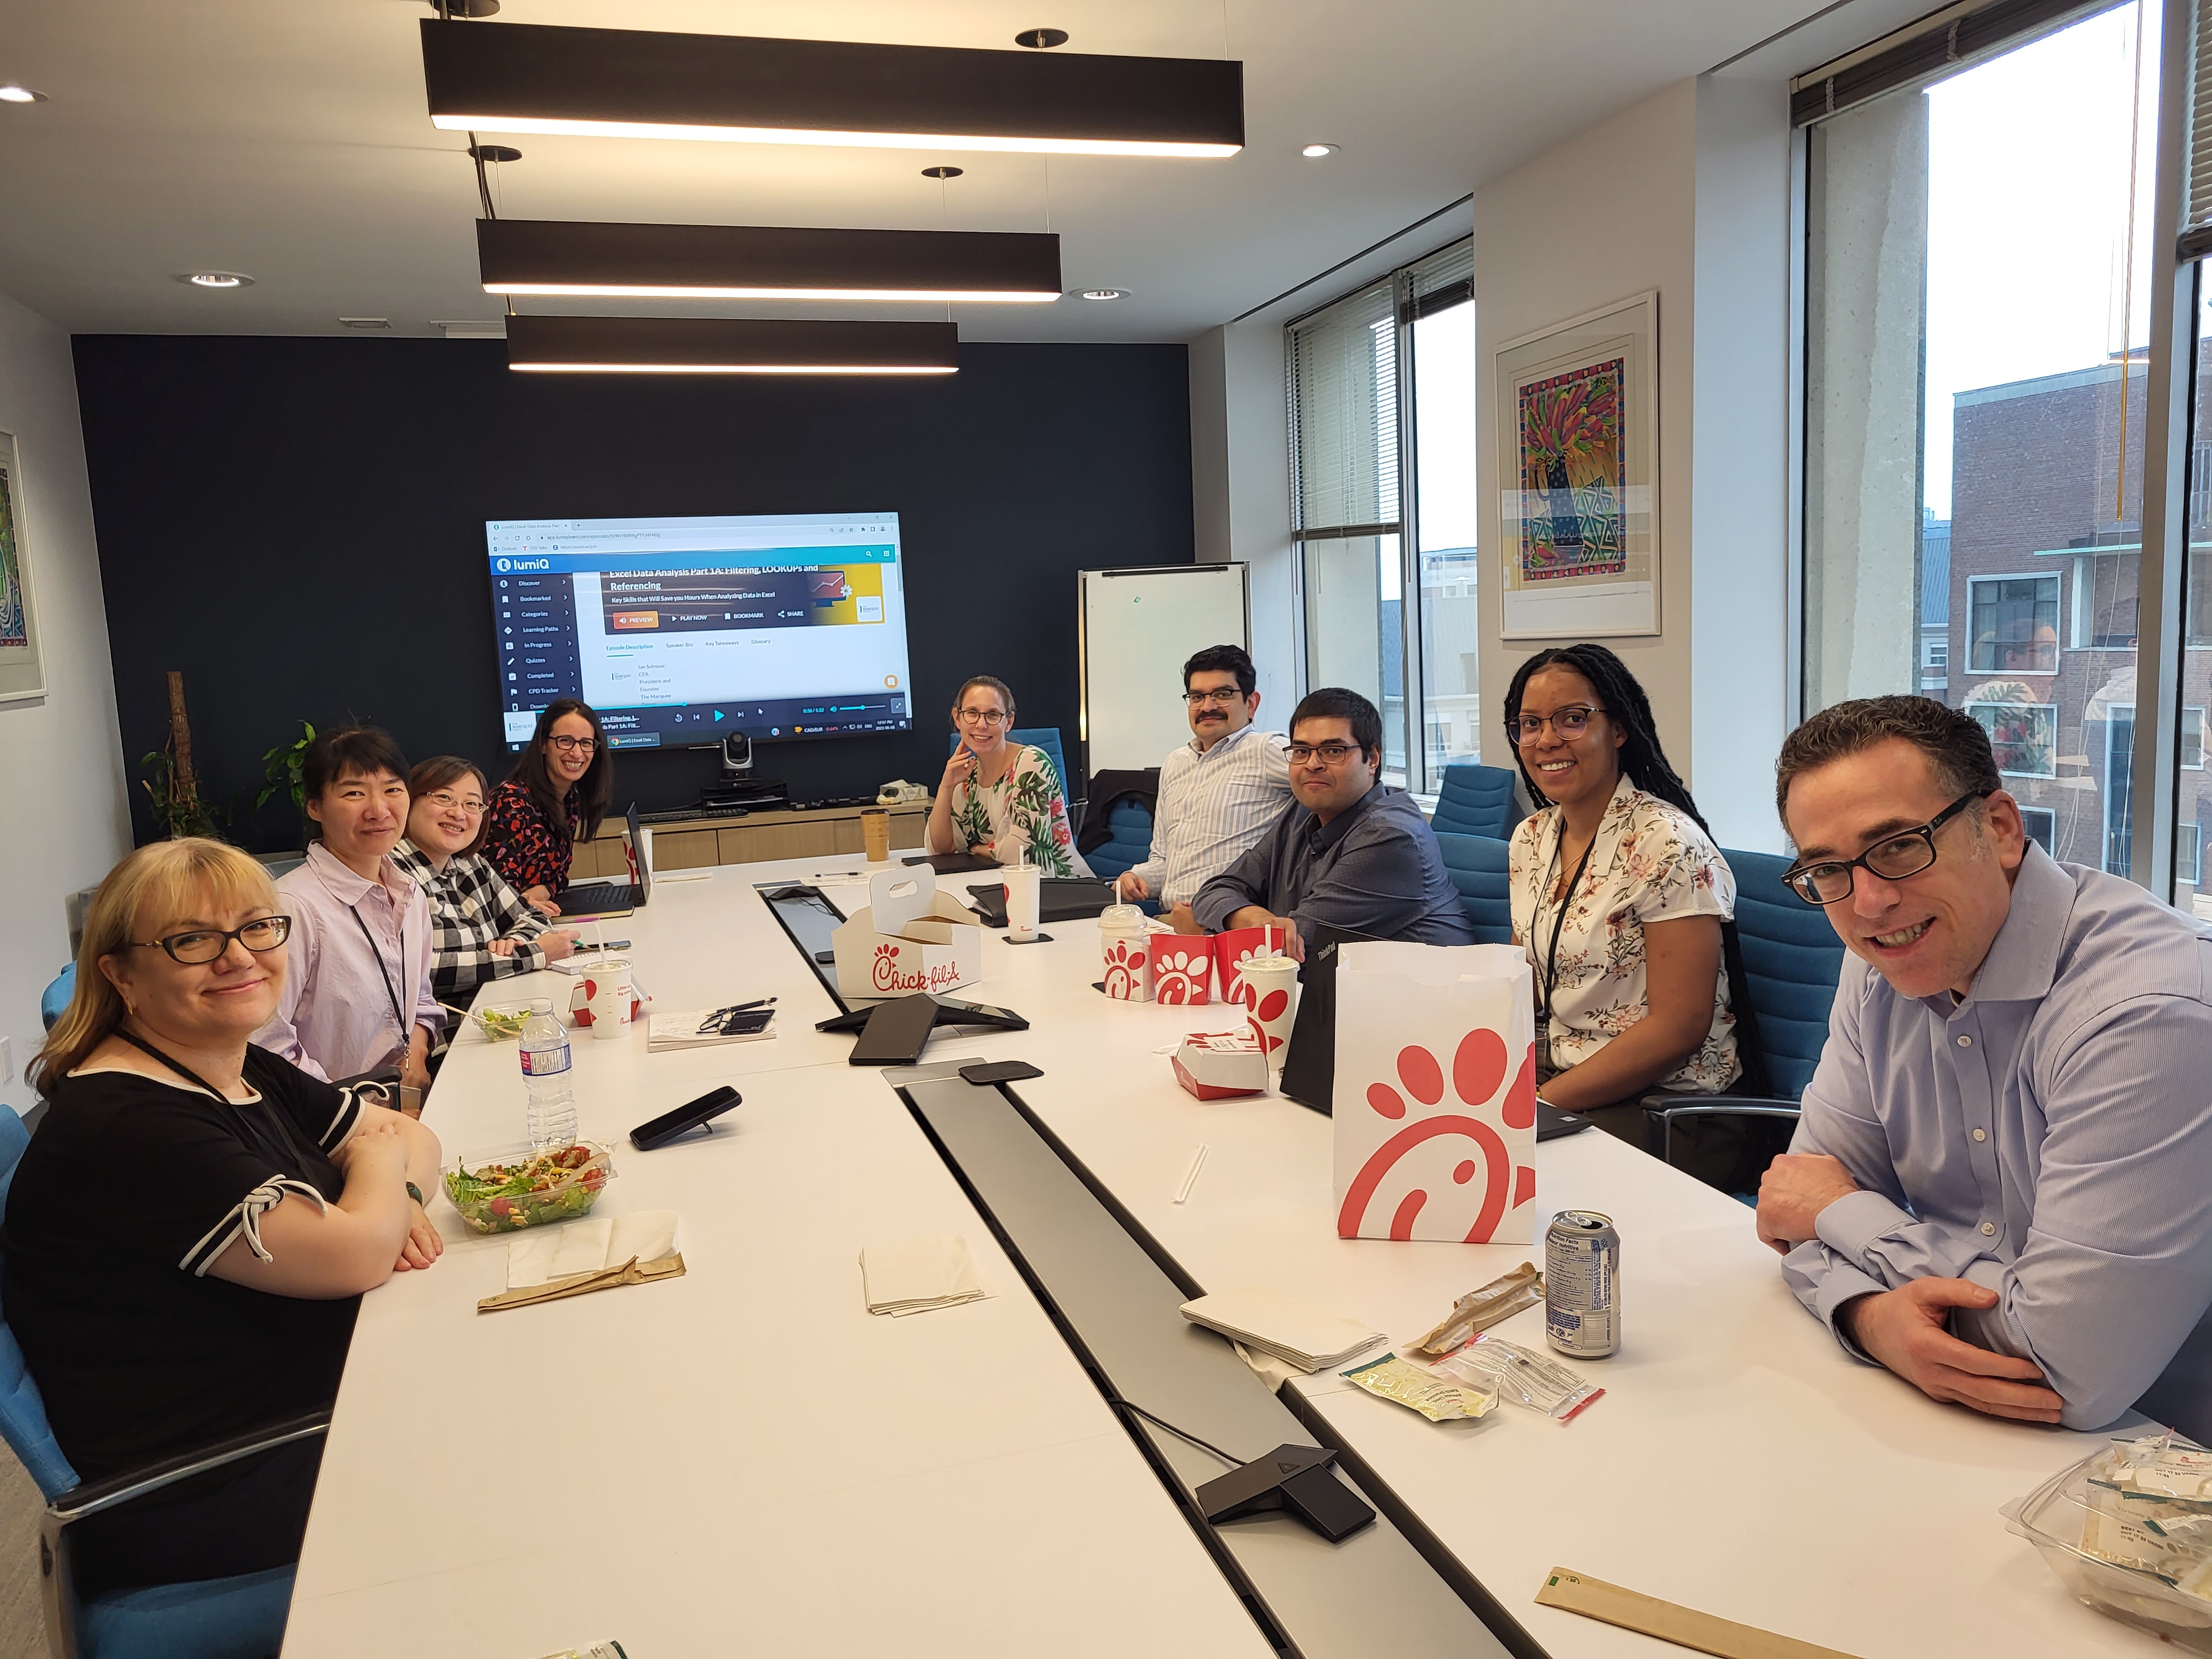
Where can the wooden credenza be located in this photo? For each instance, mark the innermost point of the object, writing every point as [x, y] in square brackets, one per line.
[774, 833]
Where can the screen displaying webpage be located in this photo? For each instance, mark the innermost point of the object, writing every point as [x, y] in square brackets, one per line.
[679, 631]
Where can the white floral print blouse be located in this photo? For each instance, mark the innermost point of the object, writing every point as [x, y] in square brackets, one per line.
[1650, 863]
[1025, 808]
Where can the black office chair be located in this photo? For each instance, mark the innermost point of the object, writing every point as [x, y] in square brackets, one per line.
[1791, 960]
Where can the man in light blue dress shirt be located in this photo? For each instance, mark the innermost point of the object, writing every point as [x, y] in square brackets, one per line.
[1219, 793]
[2001, 1188]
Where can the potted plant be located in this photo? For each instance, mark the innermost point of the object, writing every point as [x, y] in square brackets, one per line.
[173, 788]
[282, 769]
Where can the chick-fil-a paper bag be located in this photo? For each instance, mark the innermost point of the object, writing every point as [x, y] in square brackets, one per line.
[1435, 1102]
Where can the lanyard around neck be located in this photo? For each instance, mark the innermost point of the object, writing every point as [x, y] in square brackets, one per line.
[382, 973]
[1559, 917]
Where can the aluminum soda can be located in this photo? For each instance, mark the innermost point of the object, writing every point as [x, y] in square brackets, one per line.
[1581, 1285]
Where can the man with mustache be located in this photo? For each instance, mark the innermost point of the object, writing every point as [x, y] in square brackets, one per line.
[1219, 793]
[2001, 1188]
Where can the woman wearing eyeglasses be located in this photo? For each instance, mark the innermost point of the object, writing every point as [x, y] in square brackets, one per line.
[999, 799]
[557, 794]
[357, 1002]
[1620, 899]
[480, 928]
[189, 1234]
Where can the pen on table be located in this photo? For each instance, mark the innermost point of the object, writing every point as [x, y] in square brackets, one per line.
[602, 948]
[1190, 1177]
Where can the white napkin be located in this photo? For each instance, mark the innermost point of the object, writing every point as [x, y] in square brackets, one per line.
[1295, 1332]
[539, 1257]
[913, 1275]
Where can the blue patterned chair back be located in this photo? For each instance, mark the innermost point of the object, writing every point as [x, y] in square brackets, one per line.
[1791, 959]
[1477, 867]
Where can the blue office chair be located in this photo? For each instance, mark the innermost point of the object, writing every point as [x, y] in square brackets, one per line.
[58, 993]
[1128, 844]
[1792, 961]
[238, 1618]
[1477, 867]
[1476, 801]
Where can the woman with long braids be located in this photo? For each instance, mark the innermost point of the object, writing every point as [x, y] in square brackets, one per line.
[1620, 896]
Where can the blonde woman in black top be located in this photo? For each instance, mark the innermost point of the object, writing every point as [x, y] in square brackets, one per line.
[188, 1233]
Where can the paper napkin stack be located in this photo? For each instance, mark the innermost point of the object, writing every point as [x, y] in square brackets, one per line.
[913, 1275]
[540, 1255]
[1297, 1333]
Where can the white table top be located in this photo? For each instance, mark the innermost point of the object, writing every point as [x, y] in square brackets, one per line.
[1740, 1461]
[742, 1459]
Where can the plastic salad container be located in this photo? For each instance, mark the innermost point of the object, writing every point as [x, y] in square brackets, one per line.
[500, 1024]
[510, 1188]
[2129, 1532]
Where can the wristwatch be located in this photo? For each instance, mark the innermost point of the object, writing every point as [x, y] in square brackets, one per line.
[416, 1192]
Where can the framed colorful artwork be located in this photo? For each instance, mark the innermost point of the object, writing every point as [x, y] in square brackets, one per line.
[22, 671]
[1579, 470]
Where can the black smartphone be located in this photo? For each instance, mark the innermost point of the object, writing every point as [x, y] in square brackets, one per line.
[684, 1119]
[896, 1032]
[1000, 1071]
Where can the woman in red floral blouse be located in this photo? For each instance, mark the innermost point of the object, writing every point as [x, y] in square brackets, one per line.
[557, 795]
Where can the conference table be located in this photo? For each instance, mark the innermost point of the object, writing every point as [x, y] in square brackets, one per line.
[743, 1459]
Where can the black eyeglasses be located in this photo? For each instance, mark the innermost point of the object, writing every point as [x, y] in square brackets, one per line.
[568, 745]
[1328, 754]
[1569, 722]
[205, 945]
[1221, 696]
[1892, 858]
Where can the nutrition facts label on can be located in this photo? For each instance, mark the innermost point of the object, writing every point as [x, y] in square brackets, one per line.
[1581, 1310]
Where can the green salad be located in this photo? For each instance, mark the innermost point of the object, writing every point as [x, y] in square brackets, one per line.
[546, 1186]
[502, 1025]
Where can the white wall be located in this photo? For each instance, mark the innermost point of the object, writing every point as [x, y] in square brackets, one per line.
[1740, 542]
[1241, 489]
[1687, 193]
[62, 817]
[1599, 219]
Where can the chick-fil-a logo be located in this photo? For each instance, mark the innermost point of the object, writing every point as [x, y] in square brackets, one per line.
[1268, 1012]
[1478, 1067]
[1182, 973]
[886, 975]
[1125, 972]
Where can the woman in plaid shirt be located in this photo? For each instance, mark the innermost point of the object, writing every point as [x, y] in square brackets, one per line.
[480, 928]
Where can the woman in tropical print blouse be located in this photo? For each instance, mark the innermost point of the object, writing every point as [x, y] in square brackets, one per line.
[999, 799]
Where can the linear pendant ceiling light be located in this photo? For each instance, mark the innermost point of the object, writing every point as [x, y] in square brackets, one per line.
[529, 78]
[747, 262]
[681, 345]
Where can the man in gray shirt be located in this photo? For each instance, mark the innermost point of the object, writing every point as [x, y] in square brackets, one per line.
[1349, 850]
[2002, 1185]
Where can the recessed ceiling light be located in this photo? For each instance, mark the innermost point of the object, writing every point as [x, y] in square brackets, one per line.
[1314, 152]
[619, 83]
[1105, 292]
[762, 262]
[1042, 39]
[15, 94]
[215, 278]
[680, 345]
[364, 322]
[942, 172]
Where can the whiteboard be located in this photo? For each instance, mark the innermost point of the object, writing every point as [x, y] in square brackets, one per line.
[1135, 628]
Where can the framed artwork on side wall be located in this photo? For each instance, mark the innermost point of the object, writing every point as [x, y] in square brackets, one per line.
[22, 671]
[1578, 468]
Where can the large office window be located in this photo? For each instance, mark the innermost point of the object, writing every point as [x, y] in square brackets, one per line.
[1977, 321]
[1381, 406]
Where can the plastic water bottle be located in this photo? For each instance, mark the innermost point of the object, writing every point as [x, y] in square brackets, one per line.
[545, 1076]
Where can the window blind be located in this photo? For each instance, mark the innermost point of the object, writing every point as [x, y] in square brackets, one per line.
[2197, 221]
[1444, 279]
[1342, 362]
[1938, 44]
